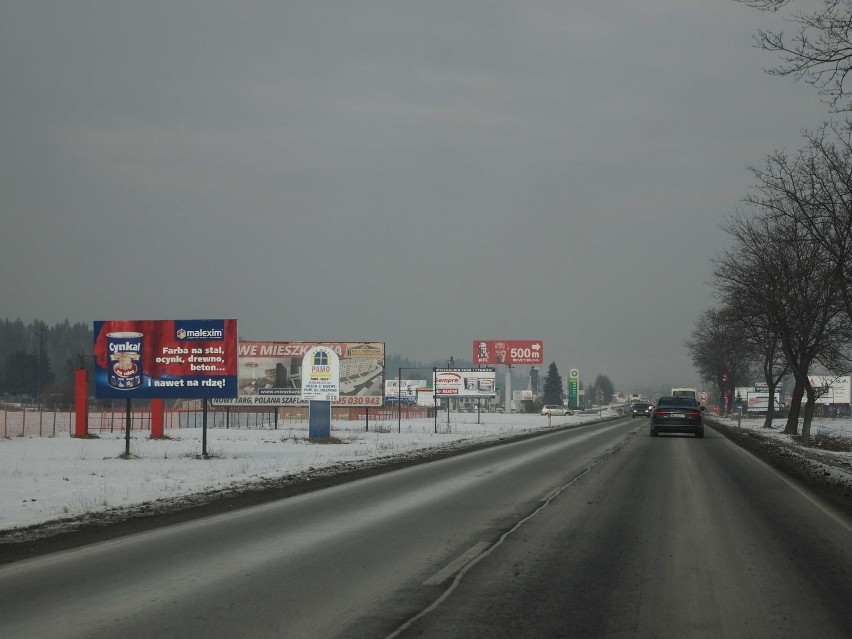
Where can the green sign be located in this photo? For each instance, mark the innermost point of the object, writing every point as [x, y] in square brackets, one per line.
[573, 388]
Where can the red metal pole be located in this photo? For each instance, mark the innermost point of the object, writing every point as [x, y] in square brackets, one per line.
[156, 419]
[81, 424]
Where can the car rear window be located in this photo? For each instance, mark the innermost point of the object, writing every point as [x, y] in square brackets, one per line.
[686, 402]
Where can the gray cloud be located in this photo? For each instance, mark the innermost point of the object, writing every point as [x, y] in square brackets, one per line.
[423, 175]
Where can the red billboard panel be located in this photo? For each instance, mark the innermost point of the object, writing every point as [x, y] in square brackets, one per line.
[517, 351]
[165, 358]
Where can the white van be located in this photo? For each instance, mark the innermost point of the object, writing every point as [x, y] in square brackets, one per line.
[685, 392]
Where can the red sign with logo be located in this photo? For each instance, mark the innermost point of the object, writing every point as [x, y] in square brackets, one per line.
[519, 351]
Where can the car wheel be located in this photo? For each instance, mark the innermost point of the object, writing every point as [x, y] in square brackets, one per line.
[699, 433]
[653, 432]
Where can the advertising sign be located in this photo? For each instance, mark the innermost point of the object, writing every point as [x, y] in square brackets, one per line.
[409, 392]
[272, 373]
[489, 351]
[758, 401]
[831, 390]
[188, 359]
[465, 382]
[321, 375]
[574, 388]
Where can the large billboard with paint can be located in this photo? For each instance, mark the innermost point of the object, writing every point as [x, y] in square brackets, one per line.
[148, 359]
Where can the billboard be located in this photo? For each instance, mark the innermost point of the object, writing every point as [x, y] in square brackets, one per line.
[273, 374]
[758, 401]
[465, 382]
[489, 351]
[409, 392]
[321, 375]
[144, 359]
[831, 389]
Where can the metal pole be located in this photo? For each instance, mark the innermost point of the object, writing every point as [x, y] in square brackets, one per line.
[204, 428]
[435, 396]
[508, 385]
[127, 430]
[399, 399]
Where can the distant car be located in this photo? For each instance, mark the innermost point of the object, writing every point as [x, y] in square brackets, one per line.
[553, 409]
[677, 415]
[643, 409]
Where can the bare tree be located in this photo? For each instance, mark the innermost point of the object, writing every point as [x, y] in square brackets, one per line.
[809, 195]
[765, 5]
[748, 284]
[820, 52]
[814, 189]
[782, 281]
[720, 353]
[765, 345]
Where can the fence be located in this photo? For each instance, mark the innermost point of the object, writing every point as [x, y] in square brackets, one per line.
[18, 421]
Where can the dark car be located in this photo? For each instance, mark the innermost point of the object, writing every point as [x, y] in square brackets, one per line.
[677, 415]
[642, 409]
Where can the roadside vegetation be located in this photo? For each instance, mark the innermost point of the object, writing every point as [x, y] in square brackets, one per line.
[784, 284]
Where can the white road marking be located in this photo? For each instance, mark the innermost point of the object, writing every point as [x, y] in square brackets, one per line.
[453, 567]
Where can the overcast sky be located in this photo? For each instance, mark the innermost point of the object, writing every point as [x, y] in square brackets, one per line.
[419, 173]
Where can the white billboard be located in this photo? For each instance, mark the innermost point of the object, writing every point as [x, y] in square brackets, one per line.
[831, 389]
[321, 375]
[409, 392]
[465, 382]
[758, 401]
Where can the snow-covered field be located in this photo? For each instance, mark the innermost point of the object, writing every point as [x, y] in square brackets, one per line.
[839, 428]
[50, 478]
[47, 478]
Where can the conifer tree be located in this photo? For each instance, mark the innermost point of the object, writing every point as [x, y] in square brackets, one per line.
[553, 386]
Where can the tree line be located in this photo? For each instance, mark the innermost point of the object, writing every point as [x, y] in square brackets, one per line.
[37, 361]
[784, 284]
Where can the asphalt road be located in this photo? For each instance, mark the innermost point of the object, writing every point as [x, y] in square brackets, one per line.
[599, 531]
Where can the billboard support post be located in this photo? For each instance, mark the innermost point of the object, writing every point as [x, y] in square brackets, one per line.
[204, 428]
[157, 419]
[127, 423]
[319, 419]
[508, 385]
[435, 396]
[81, 424]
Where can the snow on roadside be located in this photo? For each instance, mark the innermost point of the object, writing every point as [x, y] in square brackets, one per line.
[51, 478]
[825, 432]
